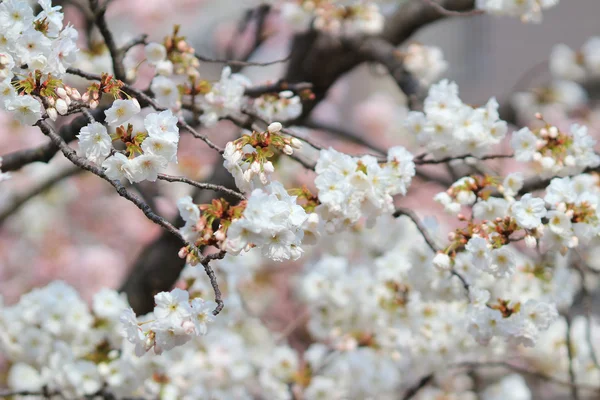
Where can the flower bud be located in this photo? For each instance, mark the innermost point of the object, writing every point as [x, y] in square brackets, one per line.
[188, 327]
[52, 114]
[296, 143]
[94, 104]
[85, 97]
[570, 161]
[268, 167]
[183, 252]
[530, 242]
[287, 149]
[441, 261]
[75, 95]
[275, 127]
[61, 106]
[61, 92]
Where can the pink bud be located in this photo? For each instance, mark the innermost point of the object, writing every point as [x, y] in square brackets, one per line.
[75, 95]
[183, 252]
[188, 327]
[61, 92]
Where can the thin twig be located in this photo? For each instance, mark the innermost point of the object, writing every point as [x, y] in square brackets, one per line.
[574, 389]
[279, 86]
[213, 279]
[352, 137]
[587, 306]
[141, 39]
[411, 214]
[238, 63]
[420, 161]
[429, 240]
[115, 53]
[202, 185]
[413, 390]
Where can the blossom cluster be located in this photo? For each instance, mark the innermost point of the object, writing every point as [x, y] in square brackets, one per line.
[528, 11]
[40, 49]
[272, 221]
[448, 127]
[426, 63]
[248, 158]
[556, 152]
[359, 18]
[54, 340]
[567, 64]
[176, 320]
[282, 106]
[351, 188]
[148, 151]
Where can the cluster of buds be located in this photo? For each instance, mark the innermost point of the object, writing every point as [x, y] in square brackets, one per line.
[57, 96]
[108, 84]
[181, 55]
[466, 191]
[494, 234]
[282, 106]
[219, 213]
[360, 18]
[248, 158]
[65, 95]
[556, 152]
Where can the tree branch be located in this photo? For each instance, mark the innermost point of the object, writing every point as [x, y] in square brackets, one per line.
[44, 153]
[115, 53]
